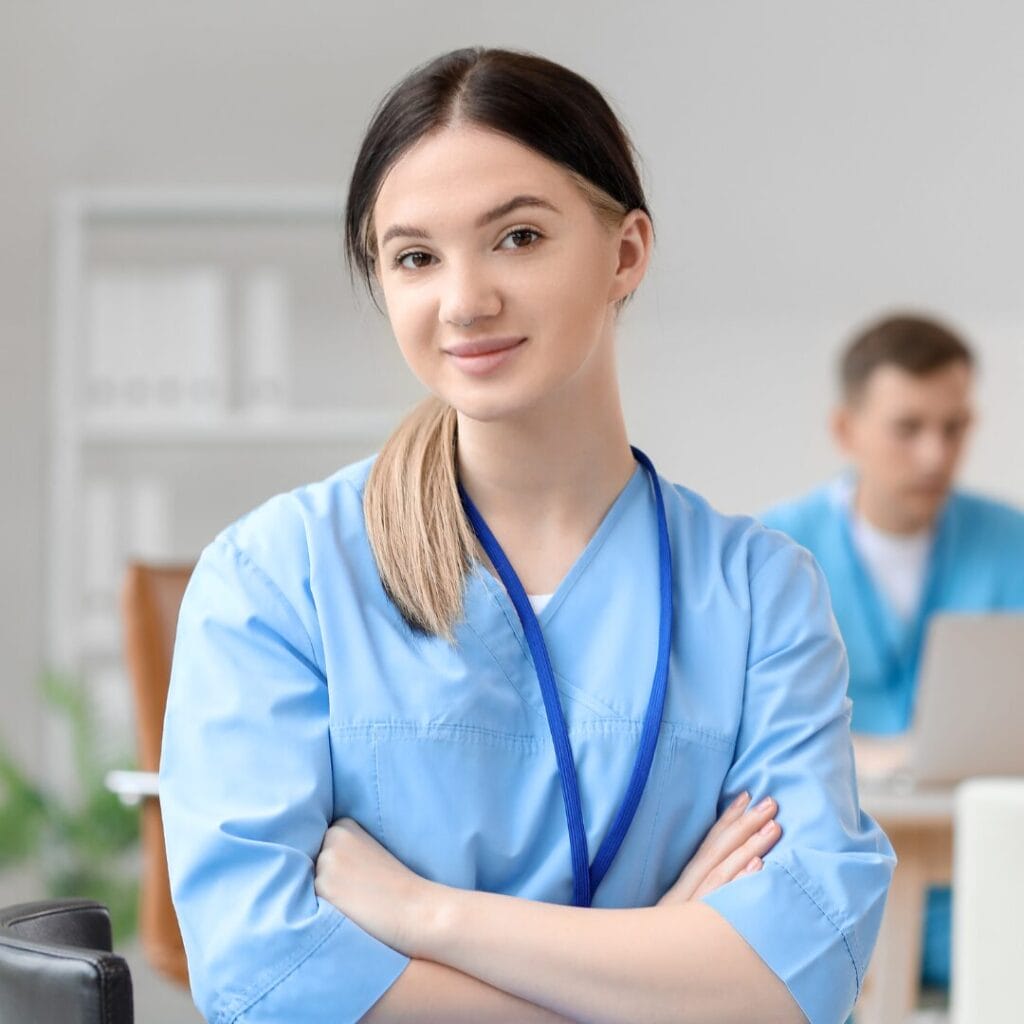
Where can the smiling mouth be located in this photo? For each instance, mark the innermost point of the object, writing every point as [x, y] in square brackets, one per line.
[484, 356]
[483, 347]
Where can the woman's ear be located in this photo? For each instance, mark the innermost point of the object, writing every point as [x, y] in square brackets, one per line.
[635, 238]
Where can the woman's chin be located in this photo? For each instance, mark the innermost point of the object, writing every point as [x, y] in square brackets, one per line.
[486, 411]
[490, 408]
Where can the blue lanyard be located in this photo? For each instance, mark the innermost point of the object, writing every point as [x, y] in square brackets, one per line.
[587, 877]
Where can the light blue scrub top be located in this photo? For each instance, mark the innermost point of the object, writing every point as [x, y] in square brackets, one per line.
[298, 695]
[977, 564]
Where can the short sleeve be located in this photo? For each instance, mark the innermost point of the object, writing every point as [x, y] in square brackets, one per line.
[813, 912]
[246, 798]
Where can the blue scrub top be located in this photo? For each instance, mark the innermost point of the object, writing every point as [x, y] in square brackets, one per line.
[299, 695]
[977, 564]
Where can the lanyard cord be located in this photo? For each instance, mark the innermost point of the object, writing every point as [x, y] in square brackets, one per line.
[586, 879]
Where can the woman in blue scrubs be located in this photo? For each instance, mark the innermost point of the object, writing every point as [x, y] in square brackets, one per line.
[449, 732]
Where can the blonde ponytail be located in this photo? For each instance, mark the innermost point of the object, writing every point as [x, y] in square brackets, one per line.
[418, 531]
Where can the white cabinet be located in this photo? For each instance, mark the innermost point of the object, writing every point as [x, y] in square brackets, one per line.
[209, 350]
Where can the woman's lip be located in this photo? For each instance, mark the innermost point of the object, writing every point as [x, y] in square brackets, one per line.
[487, 359]
[482, 347]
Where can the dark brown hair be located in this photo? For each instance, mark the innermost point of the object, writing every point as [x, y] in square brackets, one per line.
[421, 540]
[920, 345]
[534, 101]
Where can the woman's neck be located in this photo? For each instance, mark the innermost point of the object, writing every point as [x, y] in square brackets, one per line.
[543, 480]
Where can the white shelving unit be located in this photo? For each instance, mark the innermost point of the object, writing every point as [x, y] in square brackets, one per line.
[208, 351]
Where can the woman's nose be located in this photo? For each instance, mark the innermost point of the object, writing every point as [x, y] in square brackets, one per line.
[467, 295]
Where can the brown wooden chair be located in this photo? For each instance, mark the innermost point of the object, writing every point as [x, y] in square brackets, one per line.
[150, 600]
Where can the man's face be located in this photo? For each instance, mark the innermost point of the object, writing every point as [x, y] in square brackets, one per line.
[905, 435]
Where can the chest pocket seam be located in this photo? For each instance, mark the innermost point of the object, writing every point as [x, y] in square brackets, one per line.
[448, 732]
[402, 729]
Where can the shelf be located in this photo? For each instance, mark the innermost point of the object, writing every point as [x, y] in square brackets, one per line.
[286, 428]
[204, 295]
[323, 204]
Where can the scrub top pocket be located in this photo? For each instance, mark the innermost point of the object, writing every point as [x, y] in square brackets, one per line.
[481, 809]
[698, 762]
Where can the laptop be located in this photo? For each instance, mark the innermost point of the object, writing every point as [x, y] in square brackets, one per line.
[969, 712]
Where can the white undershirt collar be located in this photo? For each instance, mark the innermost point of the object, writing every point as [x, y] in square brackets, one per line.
[896, 562]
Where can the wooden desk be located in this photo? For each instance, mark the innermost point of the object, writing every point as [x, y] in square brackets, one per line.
[919, 823]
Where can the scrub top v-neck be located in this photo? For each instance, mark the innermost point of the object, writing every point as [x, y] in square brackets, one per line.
[587, 874]
[299, 695]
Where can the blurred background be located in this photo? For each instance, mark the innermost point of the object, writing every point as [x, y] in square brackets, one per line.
[179, 338]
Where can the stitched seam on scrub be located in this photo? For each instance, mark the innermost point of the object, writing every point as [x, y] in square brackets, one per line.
[376, 781]
[576, 695]
[501, 668]
[654, 820]
[674, 730]
[244, 1002]
[454, 731]
[700, 734]
[853, 943]
[572, 692]
[242, 557]
[413, 732]
[828, 917]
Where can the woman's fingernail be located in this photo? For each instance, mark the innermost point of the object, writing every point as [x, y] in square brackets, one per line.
[754, 865]
[765, 804]
[740, 801]
[768, 828]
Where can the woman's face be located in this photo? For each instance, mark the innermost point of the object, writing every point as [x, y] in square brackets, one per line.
[499, 278]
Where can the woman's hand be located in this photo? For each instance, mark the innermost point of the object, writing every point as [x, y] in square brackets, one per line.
[371, 886]
[733, 847]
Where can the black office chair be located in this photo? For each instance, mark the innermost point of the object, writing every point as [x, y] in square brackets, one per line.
[56, 965]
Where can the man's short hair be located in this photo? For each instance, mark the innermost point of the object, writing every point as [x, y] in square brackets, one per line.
[916, 344]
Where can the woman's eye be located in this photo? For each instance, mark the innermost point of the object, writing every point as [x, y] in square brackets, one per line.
[519, 238]
[413, 260]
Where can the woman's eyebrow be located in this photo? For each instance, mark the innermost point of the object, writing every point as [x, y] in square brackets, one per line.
[513, 204]
[407, 231]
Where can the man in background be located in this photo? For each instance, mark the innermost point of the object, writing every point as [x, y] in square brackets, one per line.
[896, 539]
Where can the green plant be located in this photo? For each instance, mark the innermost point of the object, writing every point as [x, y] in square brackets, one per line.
[83, 841]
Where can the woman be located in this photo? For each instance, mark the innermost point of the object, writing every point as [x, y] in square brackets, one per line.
[521, 763]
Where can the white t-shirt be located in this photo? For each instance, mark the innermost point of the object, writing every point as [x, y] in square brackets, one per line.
[539, 601]
[897, 563]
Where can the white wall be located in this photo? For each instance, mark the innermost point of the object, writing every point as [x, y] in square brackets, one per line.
[808, 164]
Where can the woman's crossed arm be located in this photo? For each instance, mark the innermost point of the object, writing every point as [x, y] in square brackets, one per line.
[484, 957]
